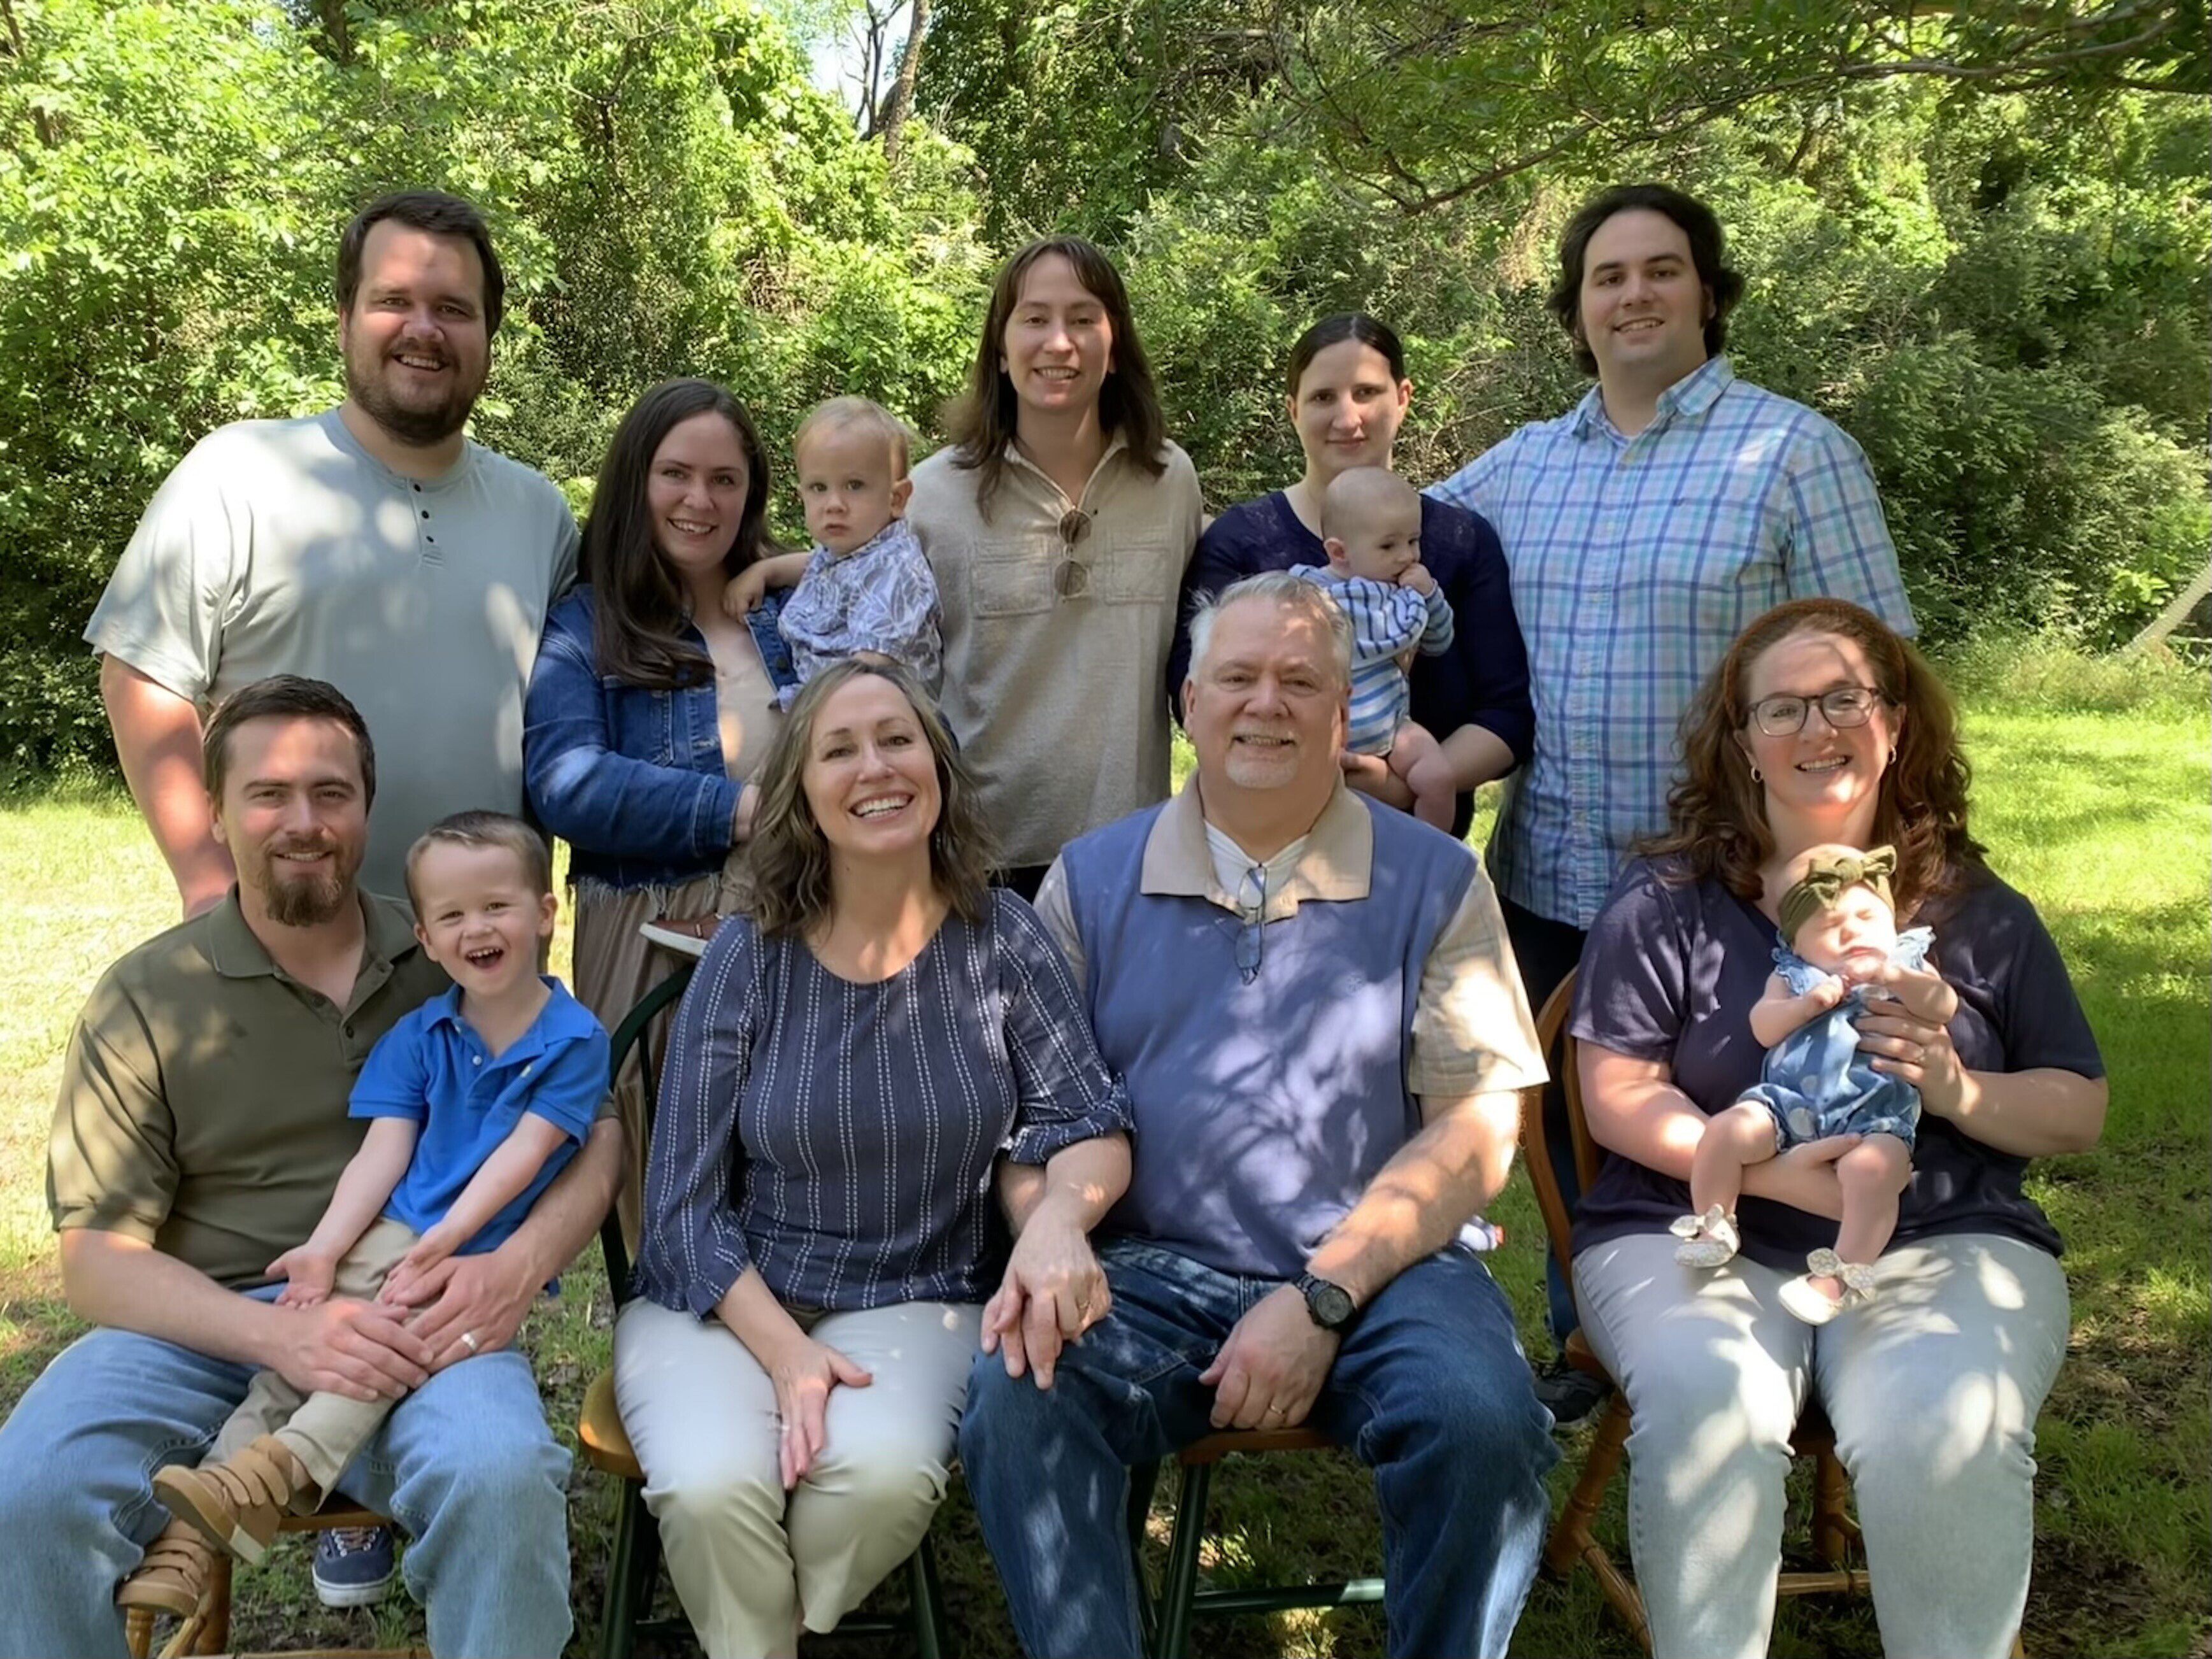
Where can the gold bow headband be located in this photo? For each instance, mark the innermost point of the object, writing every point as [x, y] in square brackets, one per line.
[1826, 879]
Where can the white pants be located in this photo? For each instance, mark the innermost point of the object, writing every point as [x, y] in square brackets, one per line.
[750, 1561]
[1933, 1386]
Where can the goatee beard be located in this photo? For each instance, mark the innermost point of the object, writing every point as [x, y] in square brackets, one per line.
[305, 904]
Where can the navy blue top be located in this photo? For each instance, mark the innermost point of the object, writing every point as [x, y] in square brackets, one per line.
[1483, 680]
[840, 1137]
[1670, 972]
[433, 1068]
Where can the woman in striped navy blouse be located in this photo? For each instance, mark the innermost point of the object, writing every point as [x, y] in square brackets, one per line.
[855, 1056]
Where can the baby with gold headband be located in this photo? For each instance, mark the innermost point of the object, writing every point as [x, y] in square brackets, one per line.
[1839, 946]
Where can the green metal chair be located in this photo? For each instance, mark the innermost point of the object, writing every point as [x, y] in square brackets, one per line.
[634, 1567]
[1168, 1620]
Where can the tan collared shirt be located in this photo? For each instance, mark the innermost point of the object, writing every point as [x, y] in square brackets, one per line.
[203, 1104]
[1471, 1031]
[1059, 701]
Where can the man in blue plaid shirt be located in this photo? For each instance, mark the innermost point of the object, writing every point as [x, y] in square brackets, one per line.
[1644, 529]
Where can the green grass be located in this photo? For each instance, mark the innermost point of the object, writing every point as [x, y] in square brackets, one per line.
[2093, 795]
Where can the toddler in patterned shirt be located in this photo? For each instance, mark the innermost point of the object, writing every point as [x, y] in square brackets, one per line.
[1370, 523]
[866, 590]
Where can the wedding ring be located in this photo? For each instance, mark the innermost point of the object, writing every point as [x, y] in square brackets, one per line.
[469, 1340]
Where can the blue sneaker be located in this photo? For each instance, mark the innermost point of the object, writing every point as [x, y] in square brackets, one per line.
[355, 1566]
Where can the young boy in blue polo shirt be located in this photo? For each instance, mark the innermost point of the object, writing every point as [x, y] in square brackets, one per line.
[476, 1101]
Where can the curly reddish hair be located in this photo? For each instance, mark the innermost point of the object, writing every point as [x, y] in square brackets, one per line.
[1717, 815]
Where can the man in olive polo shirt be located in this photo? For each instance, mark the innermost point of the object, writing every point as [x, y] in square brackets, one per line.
[201, 1129]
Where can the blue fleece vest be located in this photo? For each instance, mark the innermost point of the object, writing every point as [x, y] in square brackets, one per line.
[1262, 1109]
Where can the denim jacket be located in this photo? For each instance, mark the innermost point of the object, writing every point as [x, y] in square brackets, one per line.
[630, 777]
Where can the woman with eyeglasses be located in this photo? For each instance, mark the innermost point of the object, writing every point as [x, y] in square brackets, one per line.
[1821, 725]
[1348, 394]
[1058, 523]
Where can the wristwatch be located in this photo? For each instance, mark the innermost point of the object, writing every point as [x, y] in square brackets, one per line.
[1329, 1306]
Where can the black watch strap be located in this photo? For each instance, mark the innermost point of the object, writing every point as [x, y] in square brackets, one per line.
[1329, 1305]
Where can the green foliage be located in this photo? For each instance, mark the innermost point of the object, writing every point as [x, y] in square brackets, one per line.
[670, 195]
[2004, 300]
[2003, 297]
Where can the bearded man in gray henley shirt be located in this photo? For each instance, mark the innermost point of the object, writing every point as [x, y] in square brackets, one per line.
[1311, 1000]
[373, 546]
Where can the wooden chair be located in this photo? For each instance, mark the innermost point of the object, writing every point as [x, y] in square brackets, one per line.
[1835, 1534]
[1168, 1620]
[635, 1563]
[207, 1630]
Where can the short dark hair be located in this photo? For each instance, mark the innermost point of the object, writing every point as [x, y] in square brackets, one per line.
[283, 696]
[439, 214]
[1708, 253]
[1335, 330]
[482, 829]
[641, 630]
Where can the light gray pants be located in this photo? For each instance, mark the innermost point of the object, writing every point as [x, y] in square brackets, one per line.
[323, 1430]
[1933, 1386]
[749, 1560]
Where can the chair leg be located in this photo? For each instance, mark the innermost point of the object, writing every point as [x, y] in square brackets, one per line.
[215, 1634]
[138, 1632]
[1572, 1540]
[928, 1596]
[1572, 1530]
[1144, 1481]
[625, 1604]
[1832, 1497]
[1180, 1589]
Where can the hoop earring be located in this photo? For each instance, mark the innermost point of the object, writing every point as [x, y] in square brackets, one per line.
[1757, 776]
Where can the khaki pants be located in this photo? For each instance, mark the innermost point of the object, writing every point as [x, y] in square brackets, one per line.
[750, 1561]
[323, 1430]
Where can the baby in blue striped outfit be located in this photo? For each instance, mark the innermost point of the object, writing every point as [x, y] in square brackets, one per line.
[1370, 524]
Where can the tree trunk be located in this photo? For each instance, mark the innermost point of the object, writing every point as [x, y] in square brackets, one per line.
[902, 98]
[2175, 613]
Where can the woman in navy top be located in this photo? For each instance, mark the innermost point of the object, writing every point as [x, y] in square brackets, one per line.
[1934, 1383]
[1348, 394]
[648, 708]
[859, 1052]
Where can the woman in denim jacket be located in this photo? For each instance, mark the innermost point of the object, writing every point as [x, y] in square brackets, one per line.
[649, 710]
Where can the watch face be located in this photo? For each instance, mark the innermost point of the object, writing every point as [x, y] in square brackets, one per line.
[1331, 1305]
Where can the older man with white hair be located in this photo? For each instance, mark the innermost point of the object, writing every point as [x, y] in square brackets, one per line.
[1313, 1005]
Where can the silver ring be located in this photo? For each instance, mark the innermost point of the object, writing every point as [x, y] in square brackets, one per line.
[469, 1340]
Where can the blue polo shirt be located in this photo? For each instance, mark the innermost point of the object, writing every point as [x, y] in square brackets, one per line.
[433, 1068]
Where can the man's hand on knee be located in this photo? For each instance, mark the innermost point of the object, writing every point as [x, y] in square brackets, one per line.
[469, 1305]
[357, 1349]
[1270, 1370]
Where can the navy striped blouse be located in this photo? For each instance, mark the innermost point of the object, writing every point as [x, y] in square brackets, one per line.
[840, 1137]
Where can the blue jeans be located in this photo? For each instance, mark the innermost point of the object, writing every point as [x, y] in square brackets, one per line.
[465, 1465]
[1430, 1390]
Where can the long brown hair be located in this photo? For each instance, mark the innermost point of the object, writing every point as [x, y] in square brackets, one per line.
[638, 630]
[983, 422]
[1717, 816]
[788, 857]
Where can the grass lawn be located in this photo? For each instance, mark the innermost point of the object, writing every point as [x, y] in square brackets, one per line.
[2101, 817]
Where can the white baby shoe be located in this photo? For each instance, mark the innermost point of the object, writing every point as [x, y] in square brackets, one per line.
[1799, 1297]
[1710, 1240]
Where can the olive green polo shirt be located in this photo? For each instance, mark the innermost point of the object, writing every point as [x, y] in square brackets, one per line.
[203, 1105]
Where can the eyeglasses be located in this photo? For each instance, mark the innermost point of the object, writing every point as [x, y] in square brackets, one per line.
[1252, 936]
[1070, 577]
[1844, 707]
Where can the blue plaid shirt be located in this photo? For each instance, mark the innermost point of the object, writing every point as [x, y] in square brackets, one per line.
[1635, 562]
